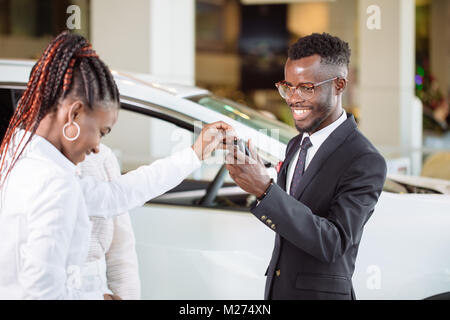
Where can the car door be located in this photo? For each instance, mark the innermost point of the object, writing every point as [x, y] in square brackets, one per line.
[187, 248]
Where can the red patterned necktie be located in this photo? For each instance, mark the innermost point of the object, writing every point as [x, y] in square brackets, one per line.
[300, 166]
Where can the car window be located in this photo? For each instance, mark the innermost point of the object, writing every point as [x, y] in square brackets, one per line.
[6, 109]
[149, 139]
[138, 139]
[16, 95]
[245, 115]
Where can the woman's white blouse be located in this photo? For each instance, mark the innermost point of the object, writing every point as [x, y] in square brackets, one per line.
[44, 217]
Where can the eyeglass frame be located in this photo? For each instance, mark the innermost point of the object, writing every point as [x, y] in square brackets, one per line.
[314, 85]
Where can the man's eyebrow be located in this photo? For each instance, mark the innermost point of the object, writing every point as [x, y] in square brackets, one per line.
[300, 83]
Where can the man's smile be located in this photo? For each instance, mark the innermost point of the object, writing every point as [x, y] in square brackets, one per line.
[300, 114]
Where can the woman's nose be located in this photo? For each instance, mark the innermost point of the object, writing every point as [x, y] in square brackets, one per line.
[96, 149]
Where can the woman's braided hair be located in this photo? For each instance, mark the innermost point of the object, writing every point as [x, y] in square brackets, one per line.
[68, 64]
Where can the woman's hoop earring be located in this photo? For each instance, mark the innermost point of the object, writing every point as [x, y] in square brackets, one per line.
[64, 131]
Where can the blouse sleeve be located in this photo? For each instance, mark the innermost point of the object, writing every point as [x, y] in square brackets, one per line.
[133, 189]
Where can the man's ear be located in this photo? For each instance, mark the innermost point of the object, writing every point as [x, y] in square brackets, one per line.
[341, 84]
[76, 108]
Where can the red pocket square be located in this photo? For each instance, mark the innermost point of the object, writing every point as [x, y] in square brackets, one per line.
[278, 166]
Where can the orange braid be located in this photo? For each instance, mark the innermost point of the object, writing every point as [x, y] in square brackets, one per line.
[85, 52]
[25, 119]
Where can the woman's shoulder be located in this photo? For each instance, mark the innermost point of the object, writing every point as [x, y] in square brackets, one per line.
[39, 173]
[34, 184]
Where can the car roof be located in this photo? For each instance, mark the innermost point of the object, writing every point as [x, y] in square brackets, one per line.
[176, 89]
[22, 68]
[147, 89]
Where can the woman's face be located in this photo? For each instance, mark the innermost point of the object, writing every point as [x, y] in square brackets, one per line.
[94, 124]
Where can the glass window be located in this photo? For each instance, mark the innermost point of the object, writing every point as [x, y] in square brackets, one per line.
[146, 140]
[247, 116]
[6, 110]
[150, 138]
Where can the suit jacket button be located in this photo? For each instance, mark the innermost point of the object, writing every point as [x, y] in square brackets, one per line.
[278, 272]
[269, 222]
[263, 218]
[273, 226]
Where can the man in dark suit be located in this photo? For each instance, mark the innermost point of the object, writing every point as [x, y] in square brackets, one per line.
[327, 186]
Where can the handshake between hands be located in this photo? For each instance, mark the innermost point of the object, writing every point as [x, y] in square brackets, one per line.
[248, 171]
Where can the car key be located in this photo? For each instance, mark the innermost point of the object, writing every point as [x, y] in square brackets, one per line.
[242, 146]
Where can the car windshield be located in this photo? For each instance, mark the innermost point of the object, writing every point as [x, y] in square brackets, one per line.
[246, 115]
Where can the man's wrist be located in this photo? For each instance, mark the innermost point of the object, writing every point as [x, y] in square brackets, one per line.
[266, 191]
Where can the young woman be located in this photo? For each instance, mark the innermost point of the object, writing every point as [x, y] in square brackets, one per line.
[70, 102]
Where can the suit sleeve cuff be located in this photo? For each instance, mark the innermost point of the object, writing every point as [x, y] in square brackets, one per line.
[258, 207]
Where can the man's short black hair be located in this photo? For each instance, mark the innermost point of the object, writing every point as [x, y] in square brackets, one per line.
[331, 49]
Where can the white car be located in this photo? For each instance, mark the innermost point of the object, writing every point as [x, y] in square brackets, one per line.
[199, 241]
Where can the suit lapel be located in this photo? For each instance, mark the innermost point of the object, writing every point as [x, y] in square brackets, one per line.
[281, 179]
[334, 140]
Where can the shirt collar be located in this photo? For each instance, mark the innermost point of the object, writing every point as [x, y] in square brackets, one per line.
[42, 148]
[318, 137]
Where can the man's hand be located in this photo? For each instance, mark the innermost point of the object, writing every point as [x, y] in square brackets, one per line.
[213, 136]
[249, 173]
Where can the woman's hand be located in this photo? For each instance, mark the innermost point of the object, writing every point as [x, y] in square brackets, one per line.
[108, 296]
[213, 136]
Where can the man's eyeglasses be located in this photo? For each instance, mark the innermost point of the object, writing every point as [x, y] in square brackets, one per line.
[304, 90]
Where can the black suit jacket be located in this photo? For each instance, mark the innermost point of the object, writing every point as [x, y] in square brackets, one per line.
[318, 230]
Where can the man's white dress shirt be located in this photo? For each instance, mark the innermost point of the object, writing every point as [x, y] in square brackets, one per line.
[317, 138]
[44, 216]
[111, 264]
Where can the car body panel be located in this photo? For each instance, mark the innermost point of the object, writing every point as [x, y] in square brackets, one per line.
[404, 249]
[200, 253]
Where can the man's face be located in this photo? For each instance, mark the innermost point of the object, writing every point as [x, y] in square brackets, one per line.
[313, 114]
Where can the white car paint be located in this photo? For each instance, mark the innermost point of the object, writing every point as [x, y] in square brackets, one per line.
[404, 248]
[194, 253]
[203, 253]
